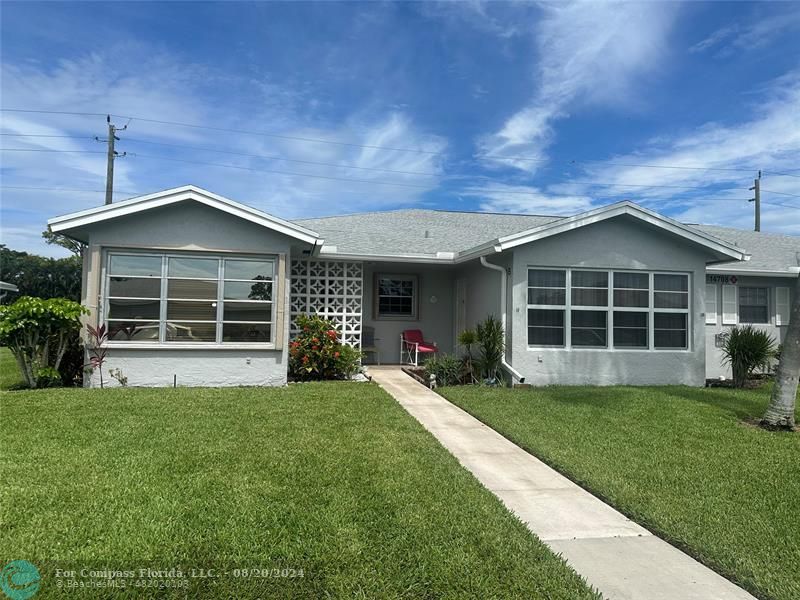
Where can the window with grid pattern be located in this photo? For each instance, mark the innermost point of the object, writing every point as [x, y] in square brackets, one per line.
[163, 298]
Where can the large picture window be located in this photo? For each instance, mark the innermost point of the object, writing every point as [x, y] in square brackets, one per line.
[636, 310]
[197, 299]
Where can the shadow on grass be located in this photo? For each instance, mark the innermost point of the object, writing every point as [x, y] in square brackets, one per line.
[741, 404]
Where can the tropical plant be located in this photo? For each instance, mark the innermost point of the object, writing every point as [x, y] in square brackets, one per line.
[446, 368]
[317, 353]
[468, 339]
[39, 332]
[98, 336]
[781, 409]
[491, 348]
[747, 349]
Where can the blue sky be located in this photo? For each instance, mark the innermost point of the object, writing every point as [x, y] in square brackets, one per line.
[531, 108]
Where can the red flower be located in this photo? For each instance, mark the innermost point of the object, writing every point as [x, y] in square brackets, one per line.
[305, 359]
[315, 340]
[332, 334]
[315, 347]
[335, 355]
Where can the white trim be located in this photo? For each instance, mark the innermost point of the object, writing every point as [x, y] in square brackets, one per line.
[783, 305]
[616, 210]
[711, 315]
[789, 272]
[610, 309]
[180, 194]
[730, 317]
[164, 299]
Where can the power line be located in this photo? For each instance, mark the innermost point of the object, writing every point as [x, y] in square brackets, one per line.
[49, 150]
[42, 135]
[408, 185]
[46, 189]
[53, 112]
[266, 157]
[782, 193]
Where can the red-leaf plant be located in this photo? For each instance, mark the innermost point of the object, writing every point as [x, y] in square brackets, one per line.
[98, 337]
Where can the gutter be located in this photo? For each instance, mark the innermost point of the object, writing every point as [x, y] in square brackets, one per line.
[503, 286]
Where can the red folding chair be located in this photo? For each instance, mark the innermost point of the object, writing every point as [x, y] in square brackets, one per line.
[412, 344]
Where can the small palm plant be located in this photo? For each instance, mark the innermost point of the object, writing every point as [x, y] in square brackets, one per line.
[98, 337]
[745, 350]
[492, 348]
[468, 339]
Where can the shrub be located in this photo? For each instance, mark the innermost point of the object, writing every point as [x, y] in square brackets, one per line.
[447, 368]
[316, 353]
[468, 339]
[746, 349]
[38, 332]
[492, 348]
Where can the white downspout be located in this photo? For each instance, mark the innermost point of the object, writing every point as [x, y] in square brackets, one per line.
[503, 316]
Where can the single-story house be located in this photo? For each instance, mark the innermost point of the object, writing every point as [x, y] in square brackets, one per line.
[201, 290]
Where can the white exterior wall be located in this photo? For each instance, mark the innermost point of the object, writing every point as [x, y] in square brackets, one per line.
[622, 244]
[714, 366]
[192, 227]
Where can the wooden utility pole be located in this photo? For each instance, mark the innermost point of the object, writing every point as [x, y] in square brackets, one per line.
[757, 199]
[112, 154]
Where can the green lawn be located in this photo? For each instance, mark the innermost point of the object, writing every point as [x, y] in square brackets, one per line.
[334, 479]
[678, 460]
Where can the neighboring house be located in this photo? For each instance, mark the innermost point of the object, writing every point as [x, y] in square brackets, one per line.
[200, 290]
[6, 288]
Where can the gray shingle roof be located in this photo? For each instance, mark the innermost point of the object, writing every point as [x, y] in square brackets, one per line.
[768, 251]
[401, 232]
[426, 232]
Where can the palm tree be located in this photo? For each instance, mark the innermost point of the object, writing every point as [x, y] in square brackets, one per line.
[780, 412]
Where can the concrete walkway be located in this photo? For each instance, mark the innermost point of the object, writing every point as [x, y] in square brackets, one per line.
[614, 554]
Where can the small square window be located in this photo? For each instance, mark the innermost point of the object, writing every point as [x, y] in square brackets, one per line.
[396, 297]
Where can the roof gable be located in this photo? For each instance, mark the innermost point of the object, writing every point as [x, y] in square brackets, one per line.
[724, 251]
[132, 206]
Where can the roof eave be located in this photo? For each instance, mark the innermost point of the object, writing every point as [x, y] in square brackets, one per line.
[91, 216]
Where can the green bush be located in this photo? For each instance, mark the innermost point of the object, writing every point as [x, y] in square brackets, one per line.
[746, 349]
[39, 332]
[492, 348]
[316, 353]
[447, 368]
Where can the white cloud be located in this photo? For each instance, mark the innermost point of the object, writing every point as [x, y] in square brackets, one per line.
[760, 32]
[588, 53]
[524, 199]
[155, 85]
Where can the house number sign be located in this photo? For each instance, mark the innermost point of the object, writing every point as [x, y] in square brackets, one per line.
[726, 279]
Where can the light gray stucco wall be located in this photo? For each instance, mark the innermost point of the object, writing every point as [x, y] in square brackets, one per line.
[621, 243]
[483, 292]
[195, 227]
[714, 367]
[436, 320]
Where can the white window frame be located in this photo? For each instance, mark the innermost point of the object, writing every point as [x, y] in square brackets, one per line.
[568, 307]
[712, 298]
[783, 305]
[219, 322]
[414, 279]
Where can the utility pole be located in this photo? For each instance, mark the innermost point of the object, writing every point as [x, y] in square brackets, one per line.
[112, 154]
[757, 199]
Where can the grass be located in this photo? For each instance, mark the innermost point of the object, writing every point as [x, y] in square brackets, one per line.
[331, 478]
[678, 460]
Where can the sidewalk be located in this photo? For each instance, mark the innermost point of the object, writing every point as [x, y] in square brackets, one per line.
[615, 555]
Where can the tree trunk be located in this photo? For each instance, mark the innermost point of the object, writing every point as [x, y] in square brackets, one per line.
[780, 412]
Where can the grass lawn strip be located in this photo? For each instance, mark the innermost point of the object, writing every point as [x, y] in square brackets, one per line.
[332, 478]
[678, 460]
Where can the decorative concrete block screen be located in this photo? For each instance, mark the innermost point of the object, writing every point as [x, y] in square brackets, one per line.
[330, 289]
